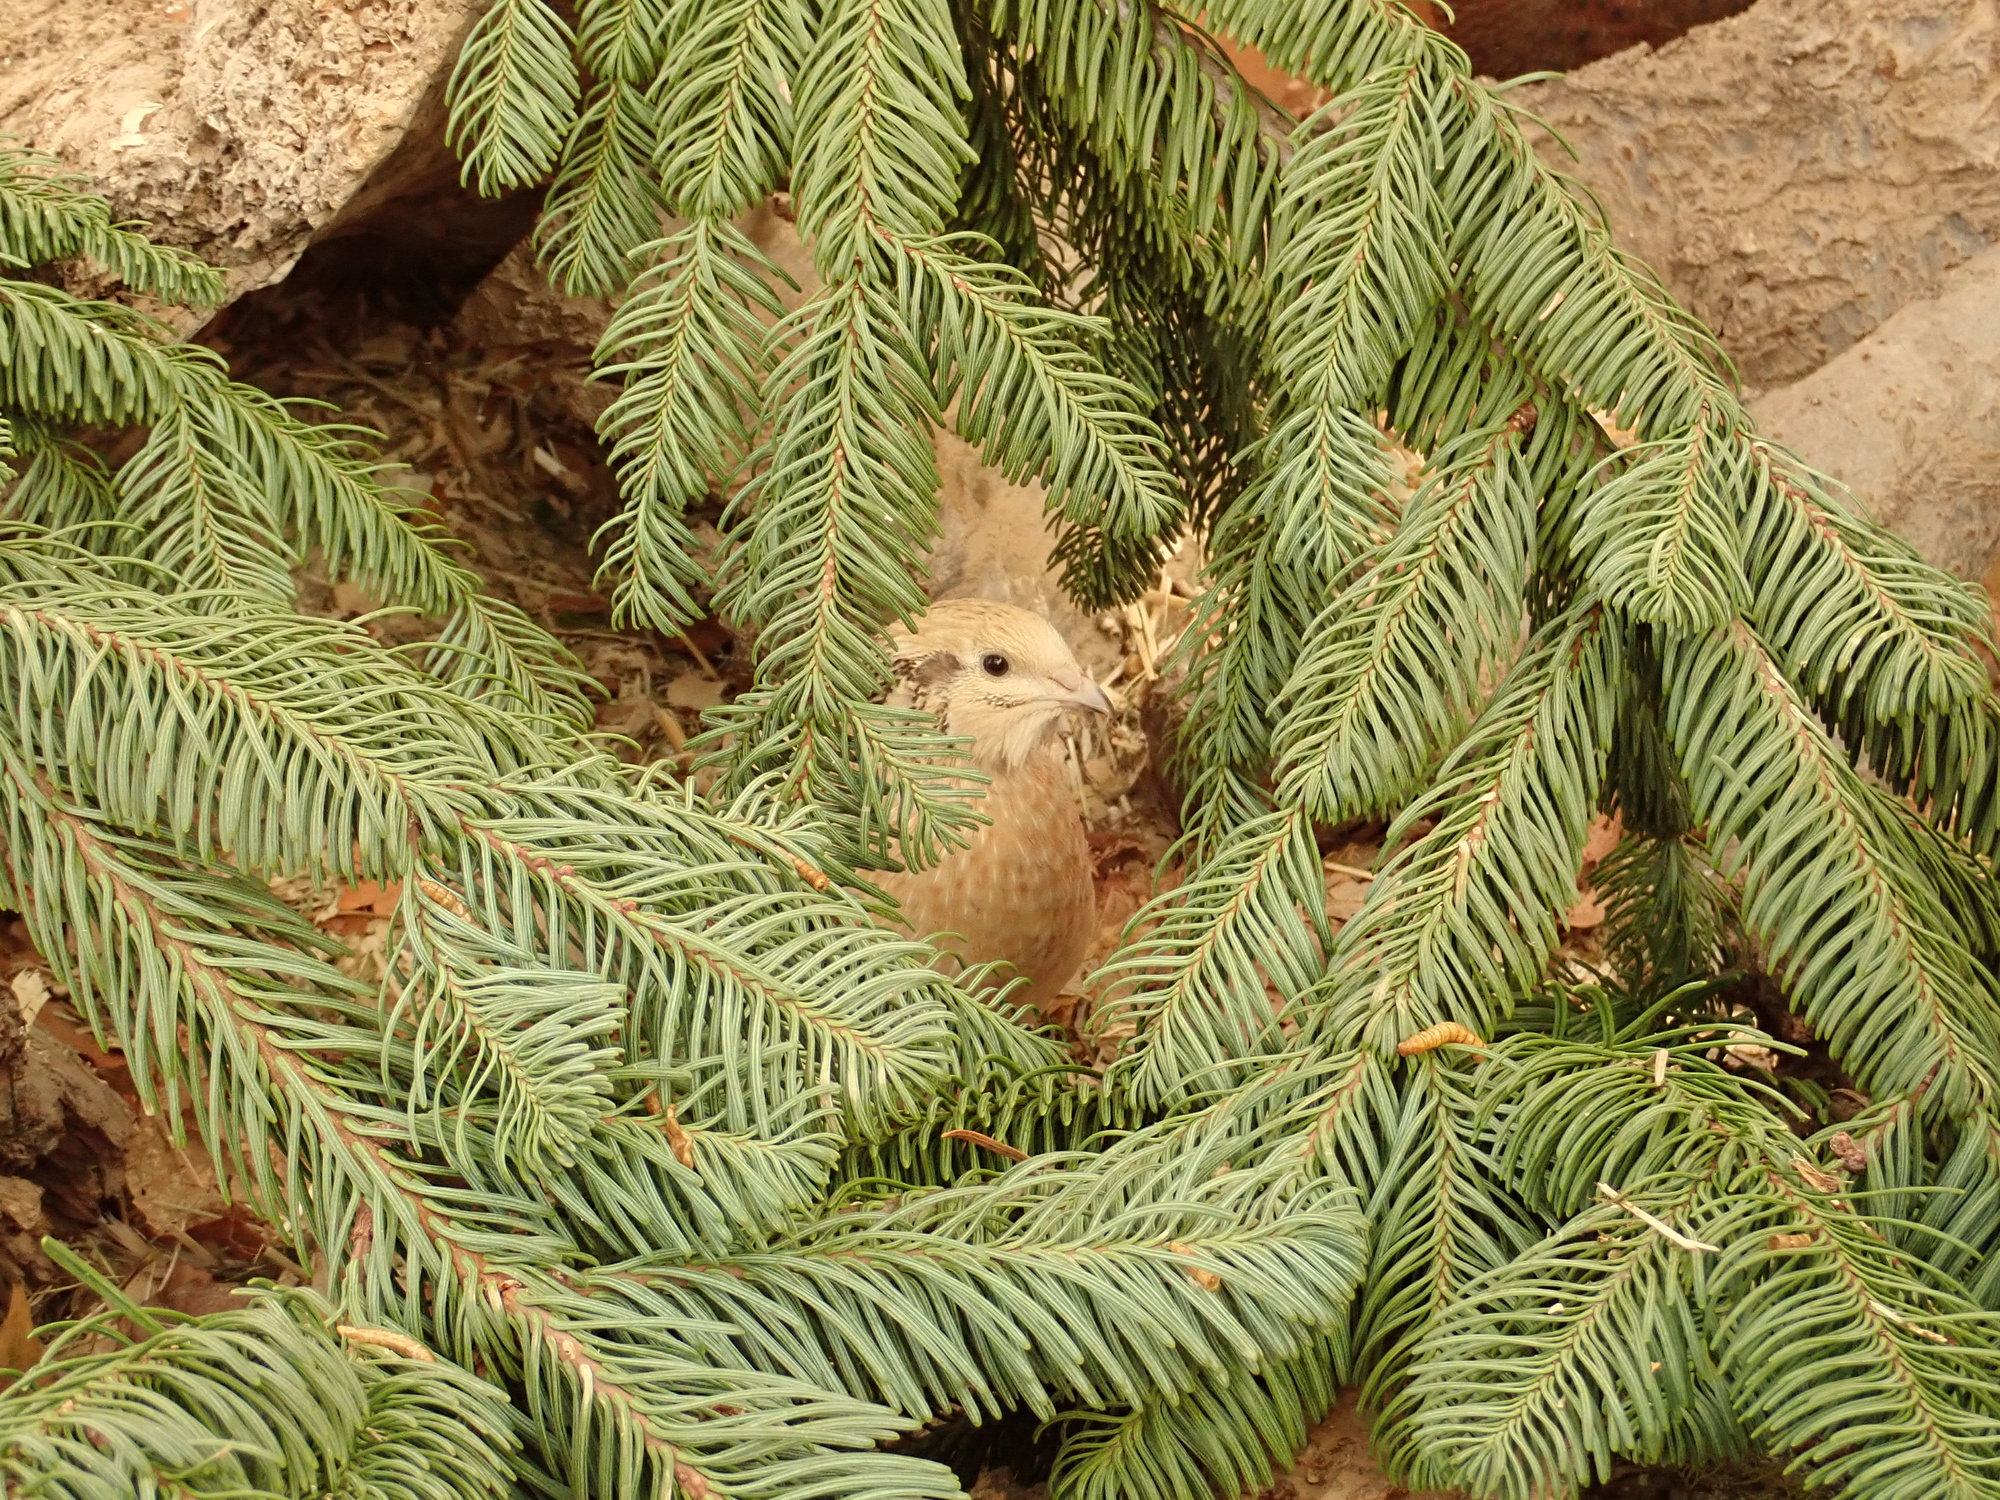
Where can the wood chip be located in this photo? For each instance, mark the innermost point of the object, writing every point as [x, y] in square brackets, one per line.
[385, 1338]
[691, 690]
[1208, 1281]
[986, 1142]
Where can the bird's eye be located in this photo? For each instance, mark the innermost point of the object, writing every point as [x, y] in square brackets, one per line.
[994, 663]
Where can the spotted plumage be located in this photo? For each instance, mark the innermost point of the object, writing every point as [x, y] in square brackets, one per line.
[1020, 890]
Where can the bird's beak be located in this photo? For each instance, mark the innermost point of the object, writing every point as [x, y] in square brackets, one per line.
[1090, 698]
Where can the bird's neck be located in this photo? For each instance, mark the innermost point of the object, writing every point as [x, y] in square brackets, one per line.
[1003, 756]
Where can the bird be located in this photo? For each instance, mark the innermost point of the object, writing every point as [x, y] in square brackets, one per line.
[1020, 890]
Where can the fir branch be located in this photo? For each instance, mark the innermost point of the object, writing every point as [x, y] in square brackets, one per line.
[46, 215]
[1336, 45]
[1587, 1347]
[1567, 1114]
[1437, 1215]
[1229, 1436]
[1026, 392]
[195, 517]
[1313, 507]
[1024, 1323]
[669, 1184]
[297, 1065]
[102, 364]
[512, 96]
[689, 347]
[719, 956]
[837, 519]
[62, 487]
[1199, 140]
[1955, 1225]
[1203, 970]
[1462, 921]
[1669, 916]
[725, 98]
[1358, 258]
[1900, 1398]
[1856, 618]
[324, 481]
[499, 1039]
[265, 1398]
[880, 138]
[75, 362]
[1596, 323]
[623, 39]
[1395, 665]
[1947, 764]
[1831, 886]
[1660, 535]
[603, 205]
[282, 744]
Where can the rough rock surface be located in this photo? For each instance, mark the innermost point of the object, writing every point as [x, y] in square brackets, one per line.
[1507, 37]
[1800, 171]
[1909, 419]
[238, 130]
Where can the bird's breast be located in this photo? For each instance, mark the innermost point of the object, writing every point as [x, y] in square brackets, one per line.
[1021, 888]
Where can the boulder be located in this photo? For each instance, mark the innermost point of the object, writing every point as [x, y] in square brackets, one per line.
[1909, 419]
[243, 132]
[1798, 172]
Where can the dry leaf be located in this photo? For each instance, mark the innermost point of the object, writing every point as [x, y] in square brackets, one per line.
[694, 691]
[1602, 838]
[172, 1186]
[1586, 912]
[1623, 437]
[1852, 1154]
[19, 1348]
[369, 897]
[31, 993]
[1344, 897]
[351, 598]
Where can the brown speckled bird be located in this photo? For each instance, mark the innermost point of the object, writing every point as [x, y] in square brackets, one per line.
[1021, 889]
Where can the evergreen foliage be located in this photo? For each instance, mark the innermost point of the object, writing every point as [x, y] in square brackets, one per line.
[649, 1127]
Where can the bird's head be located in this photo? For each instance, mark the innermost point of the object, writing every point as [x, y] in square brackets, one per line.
[996, 673]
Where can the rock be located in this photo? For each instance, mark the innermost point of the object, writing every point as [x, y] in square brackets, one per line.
[1508, 37]
[242, 131]
[1800, 171]
[1909, 419]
